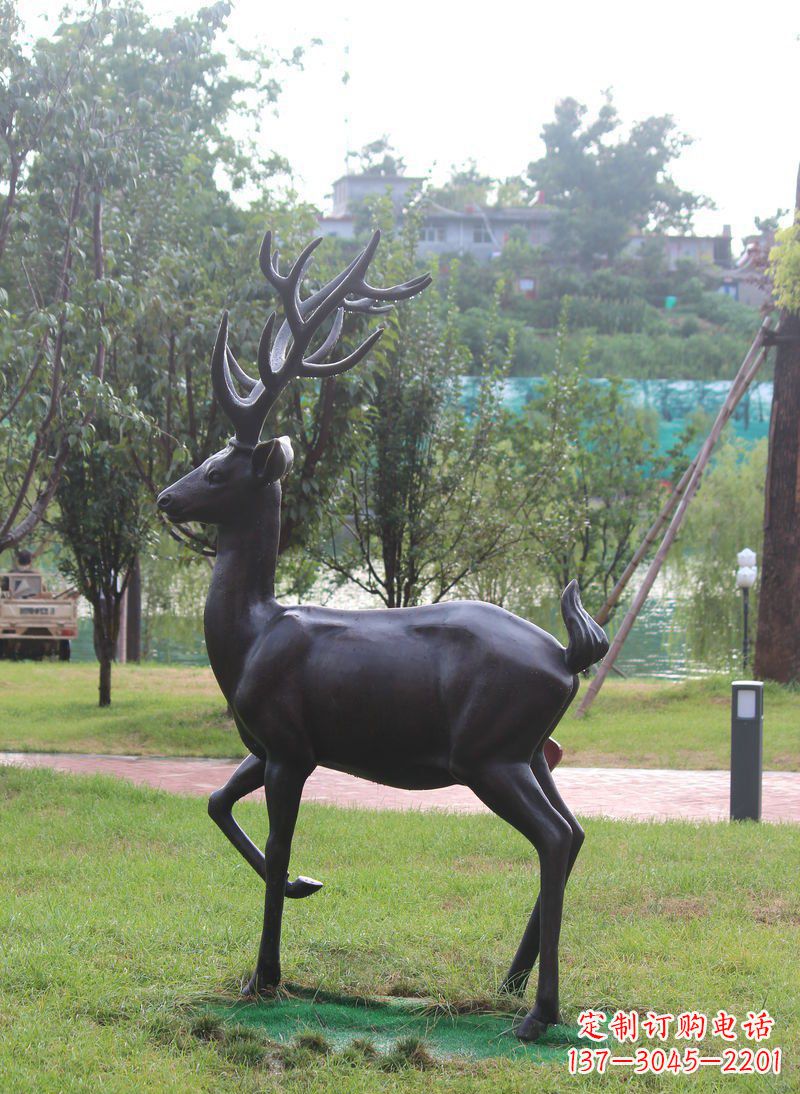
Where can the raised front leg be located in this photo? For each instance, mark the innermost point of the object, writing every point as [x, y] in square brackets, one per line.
[283, 784]
[248, 777]
[525, 958]
[512, 792]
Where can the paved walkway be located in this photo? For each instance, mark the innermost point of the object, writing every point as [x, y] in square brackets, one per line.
[629, 793]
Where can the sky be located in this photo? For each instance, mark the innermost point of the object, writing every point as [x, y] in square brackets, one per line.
[449, 83]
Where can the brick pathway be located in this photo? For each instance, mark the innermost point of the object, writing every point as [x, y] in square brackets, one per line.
[632, 793]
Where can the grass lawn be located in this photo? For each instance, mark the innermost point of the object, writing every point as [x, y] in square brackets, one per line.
[179, 711]
[122, 908]
[154, 710]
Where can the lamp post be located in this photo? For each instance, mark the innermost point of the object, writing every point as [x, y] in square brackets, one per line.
[745, 580]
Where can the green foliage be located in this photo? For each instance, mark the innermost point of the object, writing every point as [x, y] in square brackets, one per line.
[416, 510]
[379, 157]
[602, 479]
[112, 133]
[620, 306]
[104, 520]
[603, 498]
[174, 593]
[642, 356]
[784, 261]
[726, 516]
[603, 190]
[101, 516]
[466, 186]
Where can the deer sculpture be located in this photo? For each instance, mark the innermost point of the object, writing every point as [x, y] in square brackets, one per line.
[451, 693]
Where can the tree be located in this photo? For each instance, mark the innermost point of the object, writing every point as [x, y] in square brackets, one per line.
[778, 638]
[46, 134]
[379, 157]
[606, 490]
[785, 266]
[111, 134]
[466, 186]
[322, 417]
[724, 517]
[512, 192]
[414, 517]
[104, 520]
[605, 189]
[769, 225]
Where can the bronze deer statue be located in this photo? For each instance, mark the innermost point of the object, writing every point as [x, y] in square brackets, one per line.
[450, 693]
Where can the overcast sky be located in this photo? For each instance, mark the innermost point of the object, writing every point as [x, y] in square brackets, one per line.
[448, 83]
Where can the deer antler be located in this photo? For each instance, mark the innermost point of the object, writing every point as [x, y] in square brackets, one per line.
[286, 356]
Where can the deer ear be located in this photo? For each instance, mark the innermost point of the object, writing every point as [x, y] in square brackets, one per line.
[272, 460]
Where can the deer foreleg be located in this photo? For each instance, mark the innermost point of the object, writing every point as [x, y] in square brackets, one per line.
[248, 777]
[283, 784]
[525, 958]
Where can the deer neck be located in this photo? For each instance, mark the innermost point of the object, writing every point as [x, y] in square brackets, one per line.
[241, 598]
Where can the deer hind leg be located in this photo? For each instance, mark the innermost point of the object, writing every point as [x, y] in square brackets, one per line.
[284, 787]
[512, 792]
[248, 777]
[517, 976]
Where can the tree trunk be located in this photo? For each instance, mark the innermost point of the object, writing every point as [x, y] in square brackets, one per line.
[778, 637]
[134, 621]
[105, 681]
[104, 633]
[777, 654]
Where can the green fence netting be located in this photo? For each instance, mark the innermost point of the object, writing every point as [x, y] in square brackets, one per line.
[673, 402]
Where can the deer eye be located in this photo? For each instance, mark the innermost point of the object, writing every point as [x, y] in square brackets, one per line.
[215, 477]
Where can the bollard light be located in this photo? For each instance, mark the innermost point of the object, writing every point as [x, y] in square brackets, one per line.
[747, 731]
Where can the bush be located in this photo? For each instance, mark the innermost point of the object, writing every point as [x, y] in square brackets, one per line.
[726, 516]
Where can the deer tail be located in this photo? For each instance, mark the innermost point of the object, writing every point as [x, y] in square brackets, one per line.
[588, 642]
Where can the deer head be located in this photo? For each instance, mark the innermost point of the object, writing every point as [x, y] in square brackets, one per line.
[217, 490]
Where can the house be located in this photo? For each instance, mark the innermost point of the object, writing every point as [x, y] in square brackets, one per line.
[350, 190]
[483, 230]
[700, 250]
[748, 281]
[480, 230]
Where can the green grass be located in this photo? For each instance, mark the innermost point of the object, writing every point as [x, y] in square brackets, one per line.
[154, 710]
[179, 711]
[123, 910]
[653, 723]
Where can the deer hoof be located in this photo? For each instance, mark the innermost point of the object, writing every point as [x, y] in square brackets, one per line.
[530, 1029]
[533, 1026]
[257, 987]
[302, 886]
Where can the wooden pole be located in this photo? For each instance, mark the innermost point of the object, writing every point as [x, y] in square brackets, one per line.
[604, 614]
[133, 629]
[732, 400]
[744, 377]
[122, 633]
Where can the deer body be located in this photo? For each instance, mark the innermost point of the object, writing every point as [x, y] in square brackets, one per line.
[460, 692]
[400, 696]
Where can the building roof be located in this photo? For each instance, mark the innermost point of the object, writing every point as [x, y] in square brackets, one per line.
[493, 212]
[677, 237]
[388, 179]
